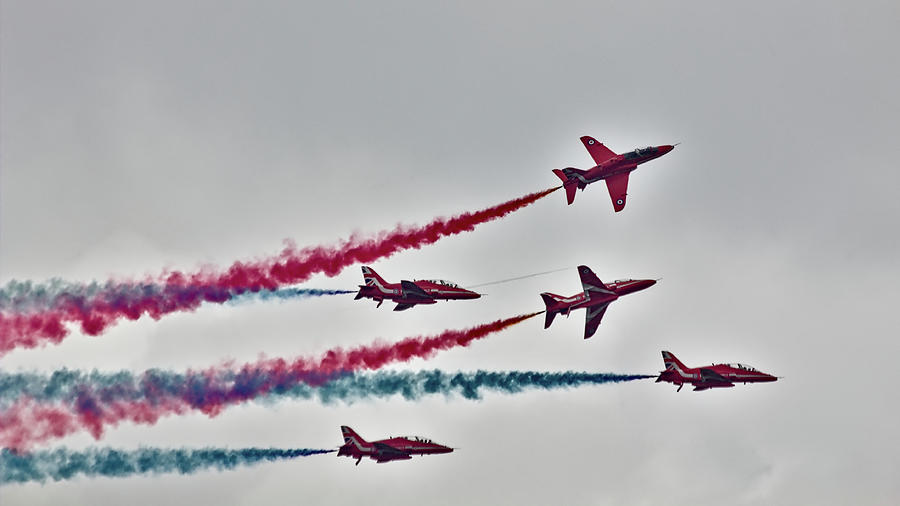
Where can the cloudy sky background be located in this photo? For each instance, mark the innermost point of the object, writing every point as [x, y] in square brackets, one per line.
[135, 137]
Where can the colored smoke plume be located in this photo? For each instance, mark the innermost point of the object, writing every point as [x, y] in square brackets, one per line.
[94, 308]
[283, 294]
[31, 329]
[28, 298]
[27, 421]
[63, 464]
[70, 386]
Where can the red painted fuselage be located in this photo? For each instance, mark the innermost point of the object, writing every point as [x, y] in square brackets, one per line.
[595, 298]
[409, 293]
[386, 450]
[611, 167]
[711, 376]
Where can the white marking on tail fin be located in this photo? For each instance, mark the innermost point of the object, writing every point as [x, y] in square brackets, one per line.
[351, 437]
[371, 278]
[673, 364]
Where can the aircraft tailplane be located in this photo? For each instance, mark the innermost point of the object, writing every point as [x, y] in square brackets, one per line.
[569, 183]
[550, 313]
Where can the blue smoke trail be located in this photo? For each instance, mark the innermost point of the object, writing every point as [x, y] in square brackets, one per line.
[469, 385]
[198, 389]
[285, 294]
[63, 464]
[25, 296]
[28, 297]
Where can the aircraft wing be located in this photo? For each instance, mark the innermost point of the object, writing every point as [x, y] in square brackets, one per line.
[710, 376]
[598, 151]
[382, 459]
[618, 189]
[387, 453]
[593, 287]
[592, 320]
[412, 290]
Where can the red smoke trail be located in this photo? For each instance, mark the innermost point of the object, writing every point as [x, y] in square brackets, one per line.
[295, 266]
[185, 292]
[28, 422]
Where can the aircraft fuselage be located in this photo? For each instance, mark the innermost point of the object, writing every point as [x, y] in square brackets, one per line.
[622, 164]
[566, 304]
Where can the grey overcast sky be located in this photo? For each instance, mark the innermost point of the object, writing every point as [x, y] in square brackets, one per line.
[137, 136]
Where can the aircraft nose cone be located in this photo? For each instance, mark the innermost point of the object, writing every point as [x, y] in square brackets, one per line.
[647, 283]
[635, 286]
[666, 148]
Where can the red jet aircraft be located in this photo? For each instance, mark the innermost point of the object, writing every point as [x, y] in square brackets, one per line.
[409, 293]
[711, 376]
[386, 450]
[596, 297]
[611, 167]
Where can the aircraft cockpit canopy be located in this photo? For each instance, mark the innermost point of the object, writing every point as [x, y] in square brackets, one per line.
[419, 439]
[443, 282]
[620, 281]
[639, 152]
[742, 367]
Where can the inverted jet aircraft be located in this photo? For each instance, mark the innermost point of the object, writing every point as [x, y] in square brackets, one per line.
[611, 167]
[711, 376]
[409, 293]
[595, 298]
[386, 450]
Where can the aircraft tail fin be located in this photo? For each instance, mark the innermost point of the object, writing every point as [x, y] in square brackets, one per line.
[550, 300]
[371, 278]
[570, 181]
[350, 436]
[672, 362]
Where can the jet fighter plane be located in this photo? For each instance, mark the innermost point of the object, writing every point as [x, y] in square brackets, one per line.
[711, 376]
[611, 167]
[386, 450]
[409, 293]
[596, 297]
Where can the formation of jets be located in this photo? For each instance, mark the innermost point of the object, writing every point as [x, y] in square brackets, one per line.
[594, 299]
